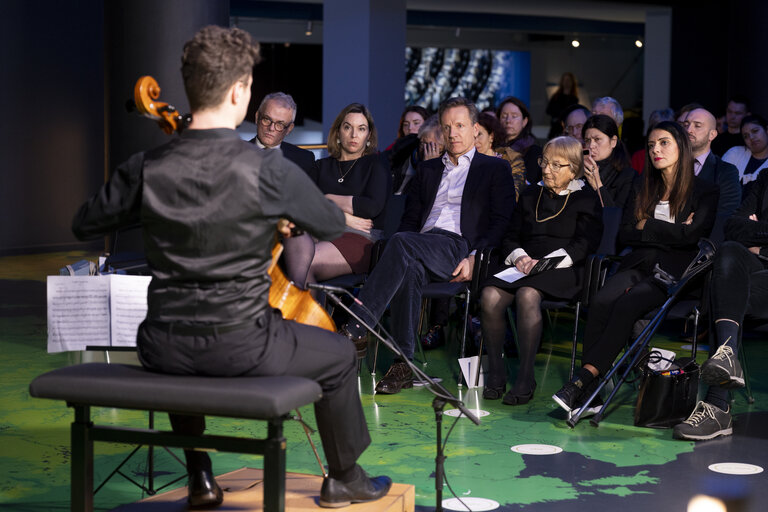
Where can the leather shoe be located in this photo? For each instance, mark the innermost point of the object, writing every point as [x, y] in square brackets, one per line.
[361, 342]
[399, 376]
[203, 491]
[434, 338]
[335, 493]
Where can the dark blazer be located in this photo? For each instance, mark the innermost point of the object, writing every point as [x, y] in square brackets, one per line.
[487, 201]
[301, 157]
[671, 245]
[726, 176]
[740, 228]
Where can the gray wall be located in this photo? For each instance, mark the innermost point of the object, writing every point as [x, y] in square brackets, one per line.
[51, 136]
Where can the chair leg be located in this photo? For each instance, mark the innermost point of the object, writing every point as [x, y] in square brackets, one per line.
[745, 370]
[81, 498]
[375, 357]
[575, 340]
[422, 318]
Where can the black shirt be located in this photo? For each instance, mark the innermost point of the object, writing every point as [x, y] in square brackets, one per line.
[208, 203]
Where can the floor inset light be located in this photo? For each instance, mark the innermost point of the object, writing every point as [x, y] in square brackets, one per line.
[575, 43]
[702, 503]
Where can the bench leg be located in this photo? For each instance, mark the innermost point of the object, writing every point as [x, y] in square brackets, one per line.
[274, 468]
[81, 498]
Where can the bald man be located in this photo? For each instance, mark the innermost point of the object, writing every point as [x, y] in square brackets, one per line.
[701, 127]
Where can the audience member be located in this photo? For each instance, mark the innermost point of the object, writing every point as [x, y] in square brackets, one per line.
[736, 110]
[664, 114]
[567, 94]
[560, 216]
[274, 121]
[610, 107]
[456, 205]
[515, 119]
[574, 118]
[751, 158]
[354, 178]
[606, 167]
[739, 287]
[411, 120]
[489, 141]
[681, 114]
[668, 213]
[700, 125]
[408, 151]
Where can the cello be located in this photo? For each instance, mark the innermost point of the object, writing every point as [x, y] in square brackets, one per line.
[293, 302]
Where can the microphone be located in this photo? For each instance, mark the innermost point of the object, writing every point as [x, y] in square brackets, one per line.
[327, 288]
[335, 289]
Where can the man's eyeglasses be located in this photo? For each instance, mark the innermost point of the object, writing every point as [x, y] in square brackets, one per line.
[266, 122]
[543, 163]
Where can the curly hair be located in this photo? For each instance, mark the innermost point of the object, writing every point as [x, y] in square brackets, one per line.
[213, 60]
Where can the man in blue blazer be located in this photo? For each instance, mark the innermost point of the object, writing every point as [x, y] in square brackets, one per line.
[274, 121]
[456, 205]
[700, 125]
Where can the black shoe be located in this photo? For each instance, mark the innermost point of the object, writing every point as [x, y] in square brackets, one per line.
[515, 397]
[434, 338]
[399, 376]
[723, 369]
[361, 342]
[335, 493]
[493, 392]
[574, 393]
[203, 491]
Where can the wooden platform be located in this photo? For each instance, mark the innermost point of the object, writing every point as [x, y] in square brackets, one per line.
[243, 492]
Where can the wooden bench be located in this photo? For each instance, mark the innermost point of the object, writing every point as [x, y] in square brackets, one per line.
[132, 387]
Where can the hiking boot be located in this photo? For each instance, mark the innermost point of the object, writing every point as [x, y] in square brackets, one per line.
[706, 422]
[723, 369]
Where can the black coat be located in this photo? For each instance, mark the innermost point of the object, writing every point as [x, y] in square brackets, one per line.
[487, 201]
[670, 244]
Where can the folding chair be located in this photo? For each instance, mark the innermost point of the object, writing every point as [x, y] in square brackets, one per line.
[695, 270]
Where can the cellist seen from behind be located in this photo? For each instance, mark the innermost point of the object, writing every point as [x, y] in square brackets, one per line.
[208, 202]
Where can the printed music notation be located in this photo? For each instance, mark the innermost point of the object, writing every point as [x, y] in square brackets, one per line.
[95, 310]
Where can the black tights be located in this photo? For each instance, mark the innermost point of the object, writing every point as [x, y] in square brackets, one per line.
[309, 262]
[494, 303]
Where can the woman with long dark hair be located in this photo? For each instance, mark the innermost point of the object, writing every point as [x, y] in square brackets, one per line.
[607, 168]
[354, 178]
[670, 210]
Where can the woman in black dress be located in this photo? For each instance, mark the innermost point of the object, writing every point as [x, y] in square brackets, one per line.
[607, 168]
[666, 216]
[559, 216]
[354, 178]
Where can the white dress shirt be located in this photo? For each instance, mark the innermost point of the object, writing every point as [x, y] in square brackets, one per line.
[446, 211]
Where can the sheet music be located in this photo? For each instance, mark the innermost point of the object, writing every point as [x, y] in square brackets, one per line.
[78, 312]
[128, 307]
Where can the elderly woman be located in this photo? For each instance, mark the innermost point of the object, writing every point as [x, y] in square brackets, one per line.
[663, 222]
[354, 178]
[607, 168]
[559, 216]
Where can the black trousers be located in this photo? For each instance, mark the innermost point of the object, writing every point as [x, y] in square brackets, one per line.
[271, 346]
[739, 284]
[409, 262]
[626, 297]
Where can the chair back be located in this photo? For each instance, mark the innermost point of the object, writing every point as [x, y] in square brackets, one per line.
[611, 222]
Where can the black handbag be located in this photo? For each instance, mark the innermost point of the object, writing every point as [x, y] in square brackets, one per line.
[669, 397]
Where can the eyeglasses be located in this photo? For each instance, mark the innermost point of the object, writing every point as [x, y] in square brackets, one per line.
[266, 122]
[543, 163]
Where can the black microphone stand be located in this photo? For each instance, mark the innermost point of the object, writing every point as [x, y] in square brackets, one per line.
[442, 395]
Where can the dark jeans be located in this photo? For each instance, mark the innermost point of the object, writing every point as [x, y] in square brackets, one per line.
[626, 297]
[272, 346]
[409, 261]
[739, 284]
